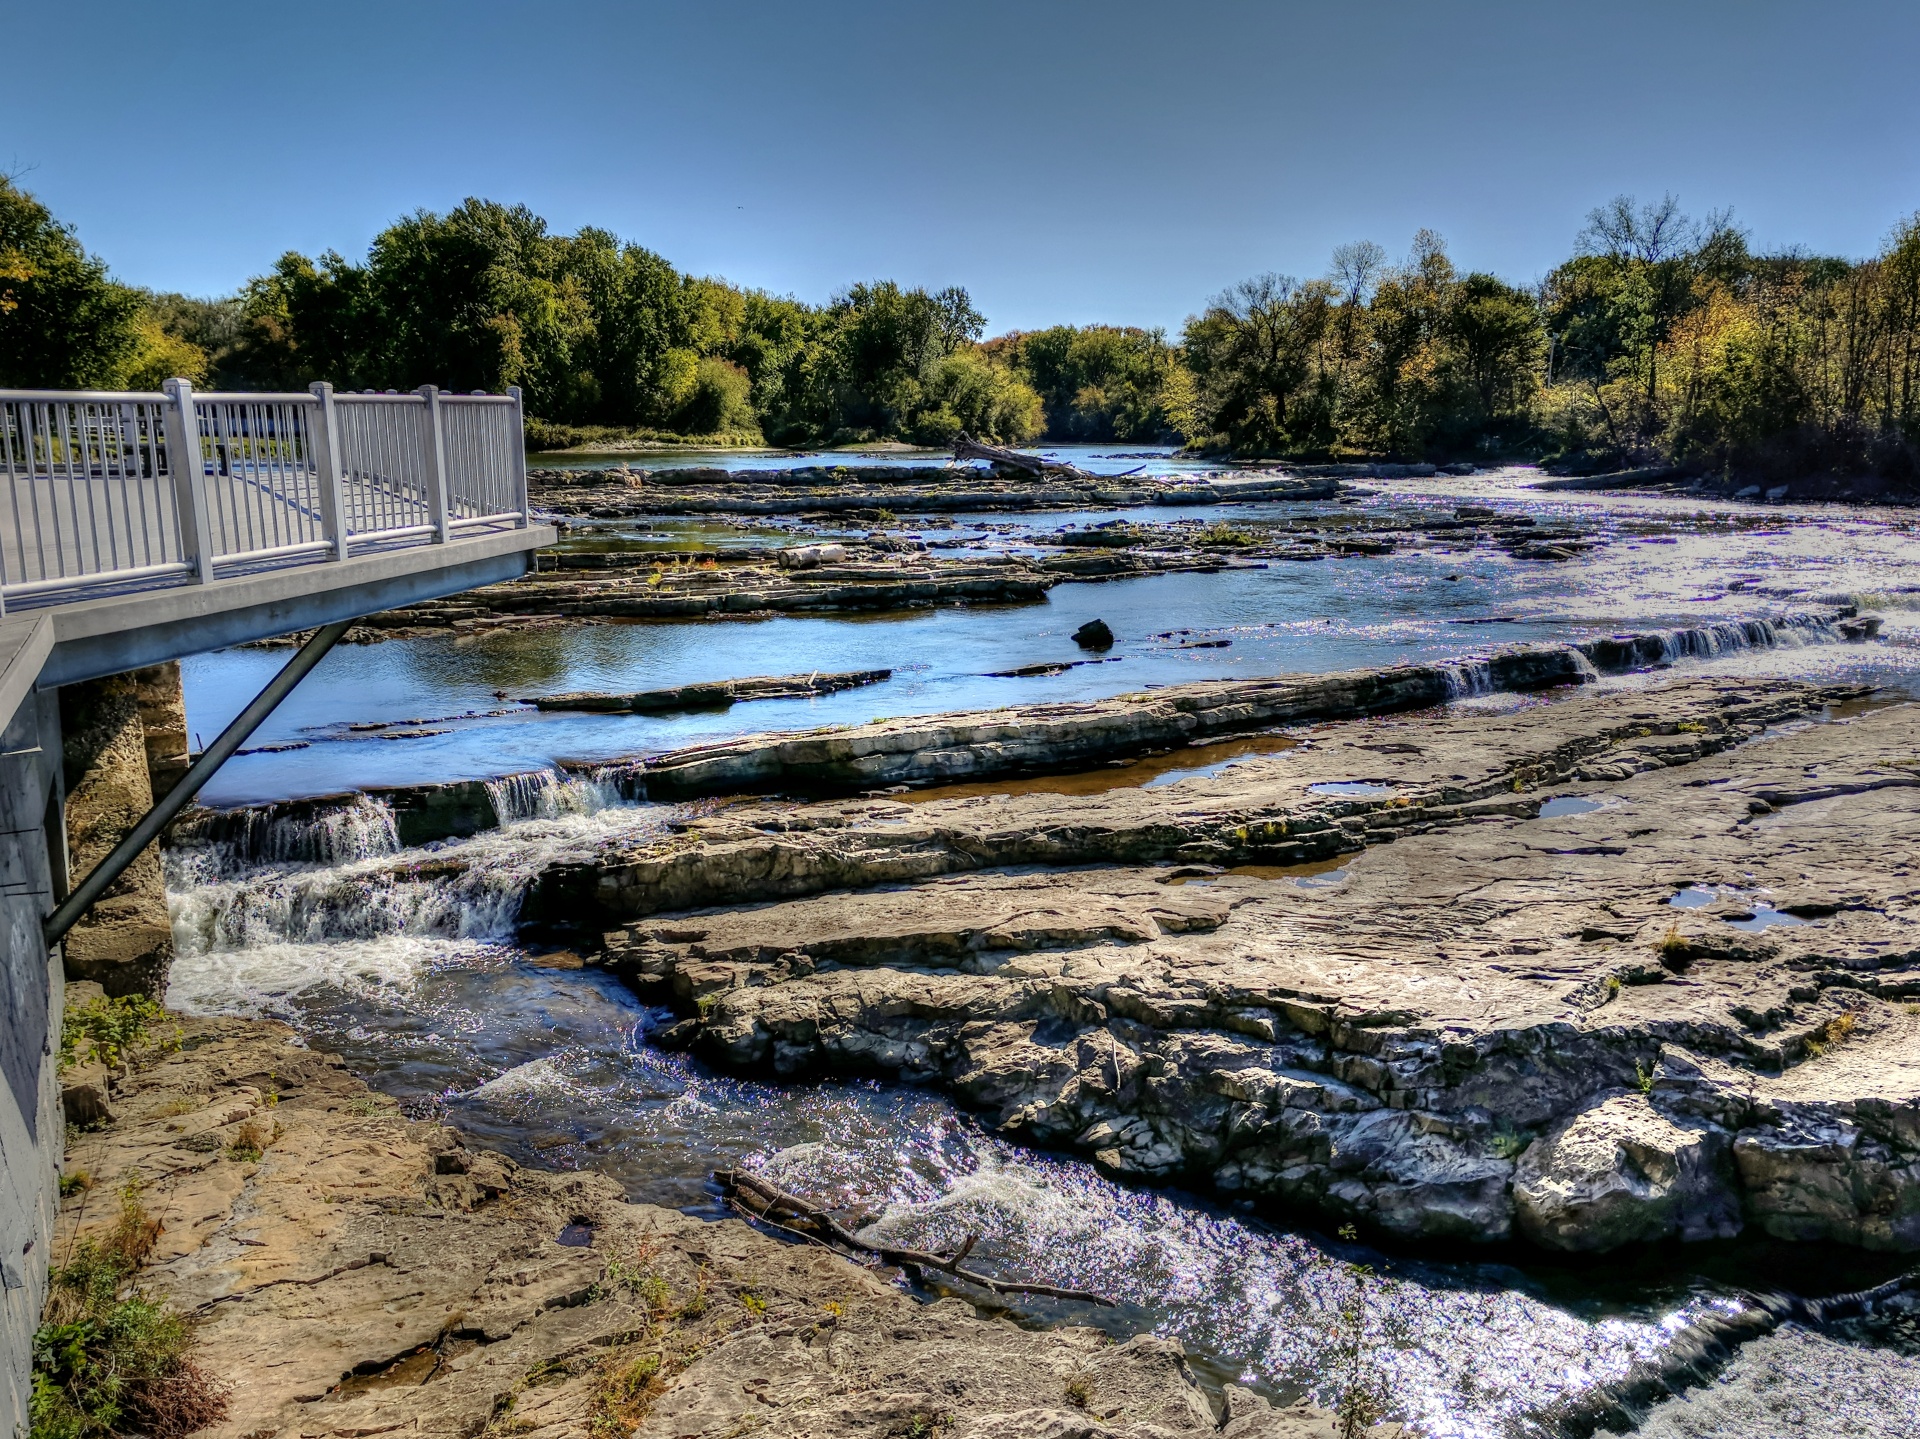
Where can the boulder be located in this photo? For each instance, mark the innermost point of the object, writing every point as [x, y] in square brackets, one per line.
[1094, 635]
[83, 1094]
[1620, 1172]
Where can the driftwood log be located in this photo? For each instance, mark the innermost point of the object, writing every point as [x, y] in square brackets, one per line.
[965, 448]
[770, 1205]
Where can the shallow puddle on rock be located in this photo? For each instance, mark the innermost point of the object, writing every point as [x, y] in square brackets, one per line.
[1764, 916]
[416, 1368]
[1569, 804]
[1360, 787]
[1314, 874]
[1694, 896]
[1148, 772]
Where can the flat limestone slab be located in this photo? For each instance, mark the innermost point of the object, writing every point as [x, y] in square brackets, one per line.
[1486, 1020]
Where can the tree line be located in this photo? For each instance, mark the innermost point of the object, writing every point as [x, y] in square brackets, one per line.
[1661, 340]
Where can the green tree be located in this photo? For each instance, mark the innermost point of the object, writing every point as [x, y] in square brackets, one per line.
[868, 372]
[1097, 382]
[969, 391]
[64, 323]
[1256, 356]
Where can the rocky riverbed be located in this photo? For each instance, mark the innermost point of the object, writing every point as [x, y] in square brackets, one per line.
[619, 576]
[1635, 966]
[349, 1272]
[838, 490]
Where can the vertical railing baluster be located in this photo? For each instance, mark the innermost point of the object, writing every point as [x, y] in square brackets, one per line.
[33, 495]
[323, 437]
[189, 479]
[517, 461]
[436, 458]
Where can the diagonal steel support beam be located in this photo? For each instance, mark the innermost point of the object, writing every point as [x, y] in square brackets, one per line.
[218, 753]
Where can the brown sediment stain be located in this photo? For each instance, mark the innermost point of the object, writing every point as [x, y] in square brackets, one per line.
[1131, 774]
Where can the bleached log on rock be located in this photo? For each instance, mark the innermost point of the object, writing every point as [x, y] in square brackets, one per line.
[966, 448]
[774, 1206]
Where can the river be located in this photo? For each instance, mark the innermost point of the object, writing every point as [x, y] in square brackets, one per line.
[419, 983]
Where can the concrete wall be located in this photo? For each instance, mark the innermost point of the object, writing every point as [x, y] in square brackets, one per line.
[32, 1131]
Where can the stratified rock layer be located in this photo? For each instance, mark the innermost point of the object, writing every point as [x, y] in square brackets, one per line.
[1497, 1023]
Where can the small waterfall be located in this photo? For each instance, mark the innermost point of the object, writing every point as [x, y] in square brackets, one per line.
[274, 929]
[1617, 653]
[1467, 678]
[299, 832]
[548, 794]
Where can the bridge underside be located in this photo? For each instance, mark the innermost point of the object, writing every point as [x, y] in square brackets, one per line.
[64, 644]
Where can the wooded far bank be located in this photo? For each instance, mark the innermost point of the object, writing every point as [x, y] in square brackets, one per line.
[1662, 340]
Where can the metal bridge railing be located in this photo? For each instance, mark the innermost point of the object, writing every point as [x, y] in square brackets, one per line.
[106, 492]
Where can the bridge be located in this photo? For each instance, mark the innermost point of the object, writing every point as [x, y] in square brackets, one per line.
[142, 527]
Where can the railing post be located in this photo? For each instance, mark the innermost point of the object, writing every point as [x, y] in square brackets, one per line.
[189, 479]
[436, 464]
[520, 455]
[325, 438]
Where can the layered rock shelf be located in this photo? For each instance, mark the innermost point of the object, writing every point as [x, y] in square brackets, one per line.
[1625, 968]
[349, 1272]
[883, 571]
[1018, 740]
[717, 695]
[839, 489]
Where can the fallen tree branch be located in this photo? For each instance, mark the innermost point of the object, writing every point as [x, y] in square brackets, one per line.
[765, 1201]
[965, 448]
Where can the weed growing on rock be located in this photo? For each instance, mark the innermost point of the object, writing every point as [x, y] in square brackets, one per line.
[637, 1278]
[1078, 1389]
[1508, 1142]
[921, 1425]
[103, 1030]
[696, 1304]
[1222, 533]
[75, 1183]
[249, 1142]
[1673, 944]
[624, 1391]
[1834, 1031]
[1642, 1078]
[107, 1360]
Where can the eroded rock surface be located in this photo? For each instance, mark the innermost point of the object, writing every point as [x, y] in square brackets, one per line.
[353, 1273]
[1497, 1021]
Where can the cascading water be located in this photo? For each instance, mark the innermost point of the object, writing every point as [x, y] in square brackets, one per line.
[1465, 679]
[549, 794]
[270, 929]
[334, 833]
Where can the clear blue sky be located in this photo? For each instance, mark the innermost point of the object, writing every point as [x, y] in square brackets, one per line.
[1115, 161]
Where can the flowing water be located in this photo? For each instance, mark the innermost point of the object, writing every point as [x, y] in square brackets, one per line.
[412, 972]
[1685, 565]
